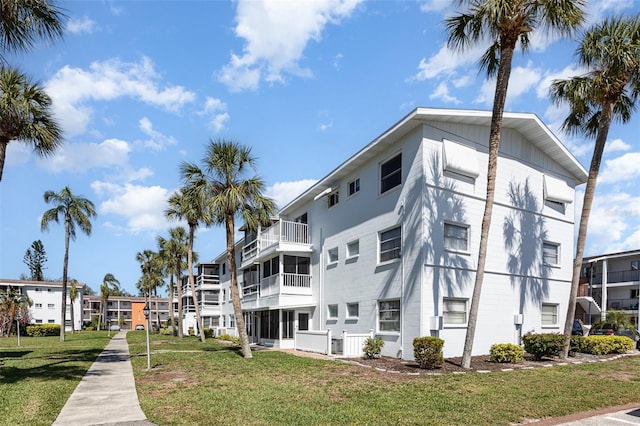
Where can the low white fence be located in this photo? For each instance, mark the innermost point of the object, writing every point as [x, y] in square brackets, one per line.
[353, 343]
[320, 341]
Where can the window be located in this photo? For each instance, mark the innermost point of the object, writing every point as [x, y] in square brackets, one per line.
[551, 253]
[51, 321]
[354, 187]
[332, 311]
[634, 293]
[353, 310]
[51, 306]
[390, 242]
[270, 324]
[389, 315]
[353, 248]
[333, 255]
[38, 290]
[456, 237]
[224, 321]
[232, 321]
[635, 265]
[333, 198]
[271, 267]
[549, 314]
[557, 191]
[296, 265]
[224, 268]
[38, 321]
[460, 159]
[454, 311]
[391, 174]
[303, 321]
[38, 305]
[224, 295]
[288, 319]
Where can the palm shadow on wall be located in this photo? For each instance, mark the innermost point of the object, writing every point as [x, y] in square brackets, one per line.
[524, 232]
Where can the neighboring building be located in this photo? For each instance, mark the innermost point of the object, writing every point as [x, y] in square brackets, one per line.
[126, 311]
[609, 281]
[47, 301]
[207, 284]
[386, 243]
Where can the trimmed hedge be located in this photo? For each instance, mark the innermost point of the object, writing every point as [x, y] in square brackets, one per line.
[542, 345]
[428, 351]
[208, 332]
[41, 330]
[603, 345]
[506, 352]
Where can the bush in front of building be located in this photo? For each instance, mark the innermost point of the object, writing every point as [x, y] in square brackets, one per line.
[229, 338]
[41, 330]
[542, 345]
[372, 347]
[603, 345]
[427, 351]
[506, 352]
[208, 332]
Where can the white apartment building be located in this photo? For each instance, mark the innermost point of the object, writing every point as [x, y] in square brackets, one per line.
[47, 301]
[126, 311]
[387, 243]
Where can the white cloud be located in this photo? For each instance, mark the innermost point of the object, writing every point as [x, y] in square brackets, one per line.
[434, 5]
[446, 61]
[73, 88]
[142, 207]
[616, 145]
[276, 35]
[325, 126]
[80, 157]
[81, 25]
[217, 111]
[158, 140]
[442, 93]
[284, 192]
[522, 80]
[597, 10]
[621, 169]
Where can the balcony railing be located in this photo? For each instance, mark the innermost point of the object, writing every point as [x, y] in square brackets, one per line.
[618, 277]
[205, 279]
[285, 284]
[623, 304]
[283, 231]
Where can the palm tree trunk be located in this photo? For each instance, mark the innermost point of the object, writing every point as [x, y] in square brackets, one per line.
[65, 267]
[589, 192]
[73, 328]
[171, 317]
[3, 152]
[192, 285]
[235, 294]
[180, 323]
[155, 293]
[502, 82]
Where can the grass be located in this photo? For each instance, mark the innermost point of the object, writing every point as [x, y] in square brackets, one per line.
[194, 383]
[38, 377]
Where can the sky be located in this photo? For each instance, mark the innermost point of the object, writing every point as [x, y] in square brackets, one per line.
[140, 86]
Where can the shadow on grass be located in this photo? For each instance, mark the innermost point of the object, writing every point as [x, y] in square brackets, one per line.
[14, 354]
[62, 366]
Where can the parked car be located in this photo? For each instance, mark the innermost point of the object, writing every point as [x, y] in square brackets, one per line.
[603, 329]
[139, 327]
[577, 329]
[114, 327]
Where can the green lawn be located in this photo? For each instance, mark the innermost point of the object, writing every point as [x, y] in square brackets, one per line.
[191, 383]
[38, 377]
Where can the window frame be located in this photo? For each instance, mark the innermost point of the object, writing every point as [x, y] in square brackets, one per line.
[348, 312]
[333, 198]
[635, 265]
[557, 255]
[353, 187]
[333, 256]
[390, 176]
[397, 247]
[332, 315]
[390, 310]
[445, 311]
[350, 244]
[445, 238]
[555, 315]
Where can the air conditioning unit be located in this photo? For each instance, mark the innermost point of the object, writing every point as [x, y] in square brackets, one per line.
[435, 323]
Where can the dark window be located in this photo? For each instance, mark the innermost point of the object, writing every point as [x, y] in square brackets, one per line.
[303, 321]
[390, 242]
[269, 323]
[354, 186]
[296, 265]
[288, 319]
[334, 198]
[391, 174]
[456, 237]
[271, 267]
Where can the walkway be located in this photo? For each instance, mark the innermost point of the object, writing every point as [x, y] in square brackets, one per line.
[106, 395]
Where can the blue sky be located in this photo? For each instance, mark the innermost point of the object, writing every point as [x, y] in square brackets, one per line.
[139, 86]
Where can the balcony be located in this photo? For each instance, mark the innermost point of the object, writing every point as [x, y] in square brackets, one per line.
[283, 235]
[614, 277]
[279, 284]
[623, 304]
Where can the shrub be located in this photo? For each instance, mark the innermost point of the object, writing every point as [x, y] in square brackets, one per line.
[506, 352]
[208, 332]
[373, 347]
[165, 331]
[229, 338]
[428, 351]
[578, 344]
[89, 328]
[542, 345]
[602, 345]
[41, 330]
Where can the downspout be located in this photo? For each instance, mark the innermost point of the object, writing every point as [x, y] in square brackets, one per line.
[605, 279]
[402, 307]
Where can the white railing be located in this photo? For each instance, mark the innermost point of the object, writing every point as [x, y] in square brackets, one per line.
[313, 341]
[248, 290]
[296, 280]
[353, 343]
[281, 231]
[285, 284]
[207, 279]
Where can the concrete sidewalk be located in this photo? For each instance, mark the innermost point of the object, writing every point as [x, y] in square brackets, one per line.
[106, 395]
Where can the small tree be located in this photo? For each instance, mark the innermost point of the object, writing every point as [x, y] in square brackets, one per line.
[35, 258]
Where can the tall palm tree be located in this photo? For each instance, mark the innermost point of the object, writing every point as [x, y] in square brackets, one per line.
[22, 23]
[176, 249]
[504, 23]
[109, 285]
[232, 195]
[610, 51]
[191, 205]
[25, 115]
[73, 295]
[13, 304]
[76, 211]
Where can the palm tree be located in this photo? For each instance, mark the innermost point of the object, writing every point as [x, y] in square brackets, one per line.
[109, 285]
[22, 23]
[504, 23]
[231, 195]
[13, 304]
[25, 115]
[191, 205]
[73, 295]
[608, 91]
[76, 211]
[176, 250]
